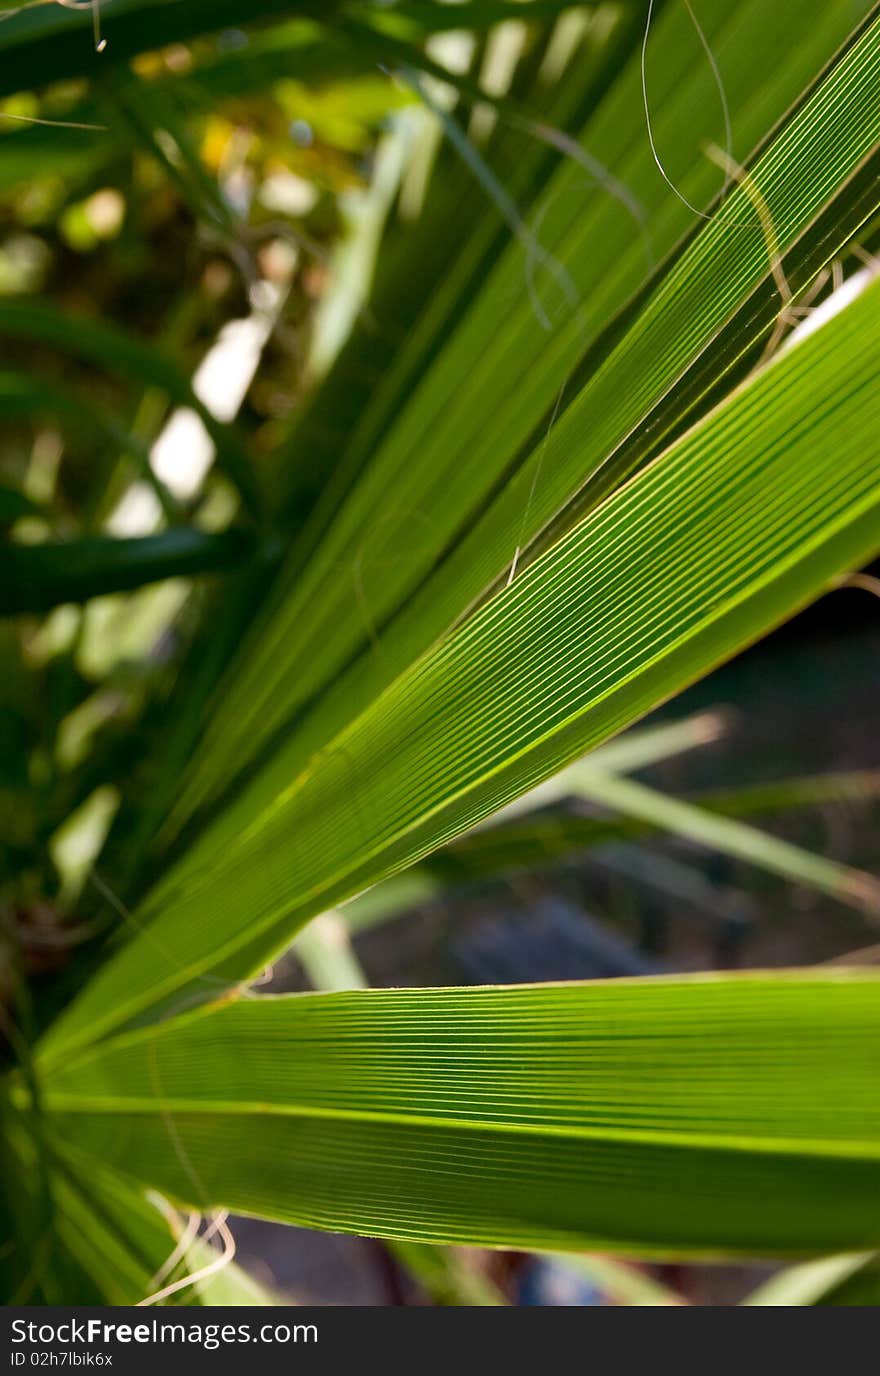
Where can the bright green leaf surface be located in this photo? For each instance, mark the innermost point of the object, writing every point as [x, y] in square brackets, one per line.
[703, 1114]
[744, 520]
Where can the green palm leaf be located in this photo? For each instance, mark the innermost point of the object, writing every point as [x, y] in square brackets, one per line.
[743, 520]
[579, 472]
[517, 431]
[704, 1114]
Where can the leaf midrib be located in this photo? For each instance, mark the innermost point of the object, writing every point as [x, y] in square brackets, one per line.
[846, 1149]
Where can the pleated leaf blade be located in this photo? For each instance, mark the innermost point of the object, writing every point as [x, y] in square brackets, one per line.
[702, 1114]
[744, 520]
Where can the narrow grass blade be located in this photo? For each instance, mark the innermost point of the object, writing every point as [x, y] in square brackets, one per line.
[729, 836]
[809, 1283]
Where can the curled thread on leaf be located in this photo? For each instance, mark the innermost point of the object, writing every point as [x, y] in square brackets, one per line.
[95, 7]
[210, 983]
[725, 108]
[535, 476]
[187, 1236]
[867, 582]
[497, 193]
[53, 123]
[734, 172]
[217, 1226]
[789, 314]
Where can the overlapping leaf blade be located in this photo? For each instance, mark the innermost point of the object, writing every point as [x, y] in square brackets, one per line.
[690, 1116]
[478, 461]
[743, 520]
[698, 1114]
